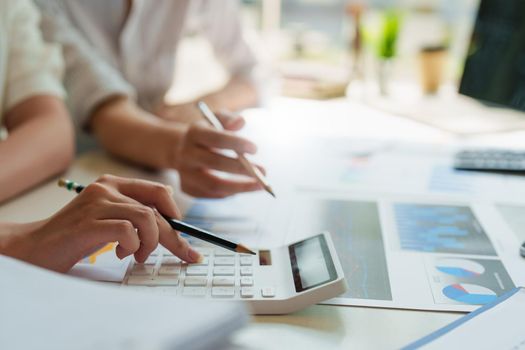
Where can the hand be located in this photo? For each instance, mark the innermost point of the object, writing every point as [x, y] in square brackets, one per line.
[197, 158]
[182, 113]
[112, 209]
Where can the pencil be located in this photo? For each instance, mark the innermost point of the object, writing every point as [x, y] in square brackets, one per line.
[178, 225]
[252, 169]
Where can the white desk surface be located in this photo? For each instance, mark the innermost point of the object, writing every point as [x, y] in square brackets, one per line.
[345, 327]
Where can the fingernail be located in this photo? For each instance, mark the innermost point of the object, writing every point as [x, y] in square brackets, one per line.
[195, 256]
[170, 189]
[251, 148]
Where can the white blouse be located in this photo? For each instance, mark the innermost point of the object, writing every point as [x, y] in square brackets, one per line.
[107, 54]
[28, 66]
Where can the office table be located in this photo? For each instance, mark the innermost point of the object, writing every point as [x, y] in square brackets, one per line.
[290, 121]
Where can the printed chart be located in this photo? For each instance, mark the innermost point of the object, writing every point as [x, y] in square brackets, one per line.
[467, 280]
[441, 229]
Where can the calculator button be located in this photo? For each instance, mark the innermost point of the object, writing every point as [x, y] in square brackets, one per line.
[151, 260]
[224, 261]
[246, 271]
[157, 251]
[268, 292]
[195, 281]
[169, 270]
[196, 271]
[246, 260]
[247, 292]
[140, 281]
[222, 292]
[170, 260]
[142, 270]
[246, 281]
[223, 271]
[223, 281]
[203, 251]
[223, 252]
[194, 291]
[165, 281]
[204, 262]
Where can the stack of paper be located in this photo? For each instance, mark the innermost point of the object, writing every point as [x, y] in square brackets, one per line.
[44, 310]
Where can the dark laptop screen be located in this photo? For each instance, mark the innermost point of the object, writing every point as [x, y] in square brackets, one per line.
[495, 65]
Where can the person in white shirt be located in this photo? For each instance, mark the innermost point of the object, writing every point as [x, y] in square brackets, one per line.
[120, 57]
[40, 143]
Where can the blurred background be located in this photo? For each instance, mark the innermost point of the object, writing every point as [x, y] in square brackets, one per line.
[369, 50]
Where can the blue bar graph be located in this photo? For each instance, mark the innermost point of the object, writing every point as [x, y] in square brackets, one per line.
[441, 229]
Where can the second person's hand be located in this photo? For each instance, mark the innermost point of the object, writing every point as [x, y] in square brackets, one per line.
[199, 156]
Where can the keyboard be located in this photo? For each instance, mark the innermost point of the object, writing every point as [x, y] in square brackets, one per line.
[221, 274]
[491, 160]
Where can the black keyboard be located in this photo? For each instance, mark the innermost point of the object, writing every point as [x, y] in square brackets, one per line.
[491, 160]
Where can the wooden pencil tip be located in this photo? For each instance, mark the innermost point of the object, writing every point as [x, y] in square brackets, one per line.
[270, 191]
[242, 249]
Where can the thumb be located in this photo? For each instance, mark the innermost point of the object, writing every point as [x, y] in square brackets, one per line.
[231, 121]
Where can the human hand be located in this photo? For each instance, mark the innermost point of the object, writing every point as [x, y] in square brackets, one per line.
[198, 156]
[112, 209]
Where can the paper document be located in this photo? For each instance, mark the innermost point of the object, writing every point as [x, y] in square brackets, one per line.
[498, 325]
[45, 310]
[102, 265]
[414, 252]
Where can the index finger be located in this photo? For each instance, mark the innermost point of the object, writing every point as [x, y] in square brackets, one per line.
[209, 137]
[149, 193]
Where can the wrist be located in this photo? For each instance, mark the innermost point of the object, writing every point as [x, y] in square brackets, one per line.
[18, 240]
[171, 140]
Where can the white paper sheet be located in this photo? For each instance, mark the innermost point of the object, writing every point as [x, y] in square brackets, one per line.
[44, 310]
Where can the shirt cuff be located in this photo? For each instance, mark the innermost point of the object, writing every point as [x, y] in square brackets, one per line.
[41, 84]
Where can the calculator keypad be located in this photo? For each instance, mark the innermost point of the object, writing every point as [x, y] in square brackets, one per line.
[221, 274]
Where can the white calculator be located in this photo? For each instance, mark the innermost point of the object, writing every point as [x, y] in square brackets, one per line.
[275, 281]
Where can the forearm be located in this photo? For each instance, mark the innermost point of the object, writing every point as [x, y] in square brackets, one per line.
[35, 150]
[131, 133]
[238, 94]
[15, 238]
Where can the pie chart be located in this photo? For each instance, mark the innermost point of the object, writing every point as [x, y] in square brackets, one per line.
[469, 293]
[460, 267]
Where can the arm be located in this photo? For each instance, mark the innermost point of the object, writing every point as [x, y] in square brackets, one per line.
[89, 78]
[40, 144]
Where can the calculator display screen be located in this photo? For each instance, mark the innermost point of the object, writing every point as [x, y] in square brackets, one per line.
[311, 262]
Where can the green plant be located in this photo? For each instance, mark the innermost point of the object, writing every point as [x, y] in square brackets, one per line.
[387, 40]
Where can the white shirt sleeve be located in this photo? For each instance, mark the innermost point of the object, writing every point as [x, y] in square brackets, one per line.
[221, 24]
[34, 67]
[89, 80]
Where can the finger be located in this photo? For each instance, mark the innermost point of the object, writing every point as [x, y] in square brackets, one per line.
[202, 183]
[146, 192]
[206, 158]
[231, 121]
[143, 218]
[121, 231]
[172, 241]
[208, 137]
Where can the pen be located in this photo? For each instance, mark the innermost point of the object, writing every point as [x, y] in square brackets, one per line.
[178, 225]
[252, 169]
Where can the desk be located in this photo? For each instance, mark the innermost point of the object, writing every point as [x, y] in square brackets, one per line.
[347, 327]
